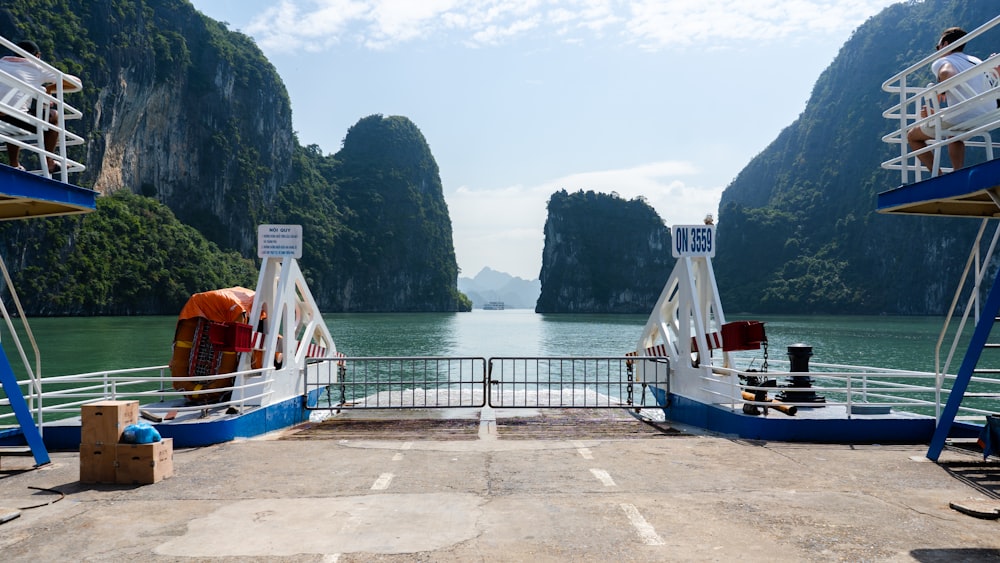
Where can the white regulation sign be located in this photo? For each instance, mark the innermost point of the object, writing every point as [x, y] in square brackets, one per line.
[279, 240]
[693, 240]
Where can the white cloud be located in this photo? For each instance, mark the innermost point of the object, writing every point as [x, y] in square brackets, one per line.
[503, 228]
[289, 27]
[660, 183]
[652, 24]
[656, 24]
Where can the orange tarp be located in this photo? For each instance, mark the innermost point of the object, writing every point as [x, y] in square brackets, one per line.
[196, 354]
[221, 305]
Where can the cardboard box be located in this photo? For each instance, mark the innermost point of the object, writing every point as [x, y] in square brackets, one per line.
[102, 422]
[97, 463]
[143, 464]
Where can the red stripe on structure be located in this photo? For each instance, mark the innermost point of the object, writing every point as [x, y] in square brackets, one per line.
[656, 350]
[713, 338]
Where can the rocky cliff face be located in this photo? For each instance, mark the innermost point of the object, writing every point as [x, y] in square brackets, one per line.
[176, 108]
[602, 254]
[798, 231]
[181, 110]
[399, 232]
[205, 130]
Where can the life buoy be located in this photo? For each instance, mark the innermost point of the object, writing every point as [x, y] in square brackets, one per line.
[211, 333]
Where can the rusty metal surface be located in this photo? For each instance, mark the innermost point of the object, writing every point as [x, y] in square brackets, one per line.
[580, 424]
[387, 429]
[542, 424]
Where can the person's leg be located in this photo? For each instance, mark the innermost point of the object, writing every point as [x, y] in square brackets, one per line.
[13, 155]
[956, 151]
[51, 137]
[14, 151]
[917, 139]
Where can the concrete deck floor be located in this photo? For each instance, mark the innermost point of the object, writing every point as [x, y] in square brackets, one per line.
[551, 486]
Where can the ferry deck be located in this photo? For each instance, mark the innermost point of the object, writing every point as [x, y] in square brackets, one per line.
[550, 486]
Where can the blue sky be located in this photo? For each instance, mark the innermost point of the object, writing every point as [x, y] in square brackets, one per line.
[664, 99]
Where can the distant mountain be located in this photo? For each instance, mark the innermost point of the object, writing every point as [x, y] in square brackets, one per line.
[491, 285]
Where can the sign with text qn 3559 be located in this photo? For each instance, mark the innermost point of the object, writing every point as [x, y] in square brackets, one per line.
[279, 240]
[693, 240]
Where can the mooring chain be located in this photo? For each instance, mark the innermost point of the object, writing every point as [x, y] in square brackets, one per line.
[763, 366]
[342, 375]
[630, 380]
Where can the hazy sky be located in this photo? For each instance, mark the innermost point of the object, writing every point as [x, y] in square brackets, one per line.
[665, 99]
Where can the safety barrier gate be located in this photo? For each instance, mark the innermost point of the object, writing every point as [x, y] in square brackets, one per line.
[506, 382]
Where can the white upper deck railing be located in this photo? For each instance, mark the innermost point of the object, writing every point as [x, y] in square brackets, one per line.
[913, 92]
[38, 117]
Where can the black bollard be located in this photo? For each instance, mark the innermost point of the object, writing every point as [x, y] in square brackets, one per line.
[799, 388]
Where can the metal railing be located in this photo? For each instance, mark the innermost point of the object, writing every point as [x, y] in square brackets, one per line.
[33, 385]
[861, 390]
[571, 382]
[508, 382]
[62, 396]
[39, 118]
[398, 382]
[913, 94]
[972, 290]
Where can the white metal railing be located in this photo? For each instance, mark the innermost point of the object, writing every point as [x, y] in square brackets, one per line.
[33, 396]
[404, 382]
[849, 386]
[151, 386]
[913, 94]
[33, 141]
[971, 304]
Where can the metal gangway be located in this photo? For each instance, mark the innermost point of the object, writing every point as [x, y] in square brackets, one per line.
[516, 382]
[34, 193]
[971, 192]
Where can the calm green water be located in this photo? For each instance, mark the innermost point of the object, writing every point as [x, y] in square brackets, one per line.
[79, 345]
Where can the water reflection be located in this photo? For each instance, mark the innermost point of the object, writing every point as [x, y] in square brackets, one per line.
[386, 334]
[589, 335]
[879, 341]
[486, 334]
[81, 345]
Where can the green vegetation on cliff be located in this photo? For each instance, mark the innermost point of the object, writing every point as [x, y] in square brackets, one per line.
[602, 254]
[400, 254]
[184, 112]
[377, 231]
[798, 231]
[131, 256]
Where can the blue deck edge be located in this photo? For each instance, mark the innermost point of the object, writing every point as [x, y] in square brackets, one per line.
[952, 185]
[21, 184]
[255, 422]
[781, 428]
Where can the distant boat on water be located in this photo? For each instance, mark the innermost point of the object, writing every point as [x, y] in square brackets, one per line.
[493, 306]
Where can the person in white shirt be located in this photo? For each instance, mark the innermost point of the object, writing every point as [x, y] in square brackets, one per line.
[36, 75]
[944, 68]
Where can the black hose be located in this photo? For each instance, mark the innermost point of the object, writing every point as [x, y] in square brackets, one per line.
[61, 494]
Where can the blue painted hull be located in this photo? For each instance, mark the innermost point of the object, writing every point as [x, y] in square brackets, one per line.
[781, 428]
[196, 434]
